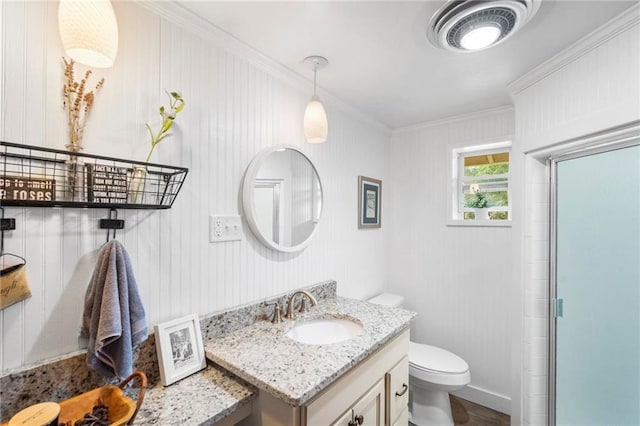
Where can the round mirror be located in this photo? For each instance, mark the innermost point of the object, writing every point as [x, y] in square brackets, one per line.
[282, 198]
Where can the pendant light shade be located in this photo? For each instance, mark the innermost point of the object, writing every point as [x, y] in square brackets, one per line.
[316, 126]
[89, 31]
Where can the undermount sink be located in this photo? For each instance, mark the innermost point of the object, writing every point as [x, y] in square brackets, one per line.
[325, 331]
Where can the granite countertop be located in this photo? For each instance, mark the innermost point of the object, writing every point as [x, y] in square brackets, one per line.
[295, 372]
[203, 398]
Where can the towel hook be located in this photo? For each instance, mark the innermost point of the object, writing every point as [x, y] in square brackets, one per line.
[8, 224]
[112, 223]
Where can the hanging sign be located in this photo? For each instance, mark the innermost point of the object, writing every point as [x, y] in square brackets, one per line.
[106, 184]
[13, 282]
[27, 188]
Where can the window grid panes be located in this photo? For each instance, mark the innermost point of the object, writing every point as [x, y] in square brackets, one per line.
[486, 172]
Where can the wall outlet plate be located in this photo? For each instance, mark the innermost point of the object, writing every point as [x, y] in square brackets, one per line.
[225, 228]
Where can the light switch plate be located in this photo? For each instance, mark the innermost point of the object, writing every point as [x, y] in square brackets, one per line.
[225, 228]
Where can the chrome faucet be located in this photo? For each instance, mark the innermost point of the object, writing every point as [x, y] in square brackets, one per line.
[303, 305]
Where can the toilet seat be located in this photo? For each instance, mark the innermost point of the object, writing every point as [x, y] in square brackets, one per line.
[436, 365]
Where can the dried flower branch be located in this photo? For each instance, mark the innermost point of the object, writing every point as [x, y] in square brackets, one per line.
[77, 103]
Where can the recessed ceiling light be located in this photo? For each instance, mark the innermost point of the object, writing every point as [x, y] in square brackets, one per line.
[480, 37]
[472, 25]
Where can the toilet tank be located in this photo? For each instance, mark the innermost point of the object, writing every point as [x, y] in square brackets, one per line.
[388, 299]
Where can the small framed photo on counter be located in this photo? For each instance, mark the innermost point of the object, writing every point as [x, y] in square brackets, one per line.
[180, 349]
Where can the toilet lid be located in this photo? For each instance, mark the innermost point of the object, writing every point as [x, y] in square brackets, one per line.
[388, 299]
[432, 358]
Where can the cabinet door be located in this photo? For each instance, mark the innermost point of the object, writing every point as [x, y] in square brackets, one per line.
[403, 418]
[370, 407]
[345, 419]
[397, 390]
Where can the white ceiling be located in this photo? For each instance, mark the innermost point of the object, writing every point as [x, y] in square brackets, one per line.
[380, 60]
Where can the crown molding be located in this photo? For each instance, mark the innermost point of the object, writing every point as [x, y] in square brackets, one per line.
[591, 41]
[177, 14]
[455, 119]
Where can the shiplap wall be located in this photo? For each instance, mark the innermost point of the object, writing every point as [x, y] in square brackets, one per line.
[457, 278]
[234, 108]
[591, 87]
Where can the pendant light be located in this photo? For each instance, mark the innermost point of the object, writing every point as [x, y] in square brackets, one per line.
[89, 31]
[316, 127]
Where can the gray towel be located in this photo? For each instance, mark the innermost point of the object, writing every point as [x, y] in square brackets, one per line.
[113, 319]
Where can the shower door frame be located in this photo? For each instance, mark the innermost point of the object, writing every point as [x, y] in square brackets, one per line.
[612, 140]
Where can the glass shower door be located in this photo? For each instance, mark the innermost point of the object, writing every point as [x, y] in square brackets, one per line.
[597, 281]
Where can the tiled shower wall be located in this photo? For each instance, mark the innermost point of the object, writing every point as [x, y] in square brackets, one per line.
[536, 295]
[237, 102]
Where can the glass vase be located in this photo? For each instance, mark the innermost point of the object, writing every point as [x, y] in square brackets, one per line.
[75, 179]
[137, 185]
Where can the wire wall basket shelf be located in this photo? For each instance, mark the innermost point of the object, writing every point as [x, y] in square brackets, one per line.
[32, 176]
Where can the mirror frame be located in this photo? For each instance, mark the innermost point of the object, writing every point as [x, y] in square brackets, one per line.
[248, 204]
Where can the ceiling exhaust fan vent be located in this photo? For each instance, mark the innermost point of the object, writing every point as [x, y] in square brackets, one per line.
[472, 25]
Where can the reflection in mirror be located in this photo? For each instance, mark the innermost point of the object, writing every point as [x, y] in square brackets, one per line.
[282, 197]
[266, 193]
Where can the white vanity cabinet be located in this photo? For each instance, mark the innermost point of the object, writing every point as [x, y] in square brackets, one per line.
[367, 390]
[375, 389]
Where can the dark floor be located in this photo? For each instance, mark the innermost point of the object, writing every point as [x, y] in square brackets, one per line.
[470, 414]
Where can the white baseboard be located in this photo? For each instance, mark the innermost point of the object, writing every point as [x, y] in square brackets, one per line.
[485, 397]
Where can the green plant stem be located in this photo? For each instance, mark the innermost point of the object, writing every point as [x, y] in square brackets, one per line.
[176, 104]
[150, 152]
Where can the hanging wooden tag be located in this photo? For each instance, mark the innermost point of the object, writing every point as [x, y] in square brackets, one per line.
[13, 284]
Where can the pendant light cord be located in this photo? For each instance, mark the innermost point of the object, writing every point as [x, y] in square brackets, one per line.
[315, 71]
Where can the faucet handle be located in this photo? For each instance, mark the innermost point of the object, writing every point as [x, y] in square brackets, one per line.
[277, 319]
[289, 310]
[303, 303]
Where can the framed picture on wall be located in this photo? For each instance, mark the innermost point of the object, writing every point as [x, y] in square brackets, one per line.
[179, 347]
[369, 202]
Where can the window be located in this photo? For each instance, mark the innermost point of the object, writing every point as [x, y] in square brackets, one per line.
[482, 173]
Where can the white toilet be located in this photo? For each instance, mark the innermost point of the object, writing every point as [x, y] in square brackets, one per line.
[433, 373]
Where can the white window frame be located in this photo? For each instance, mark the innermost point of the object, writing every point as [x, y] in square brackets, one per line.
[455, 214]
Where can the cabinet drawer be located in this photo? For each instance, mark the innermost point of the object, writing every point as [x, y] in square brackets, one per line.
[397, 384]
[403, 419]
